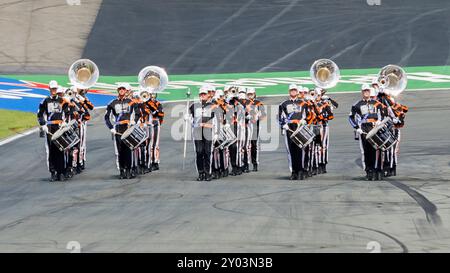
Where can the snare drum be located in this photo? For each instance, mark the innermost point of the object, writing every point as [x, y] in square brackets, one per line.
[381, 137]
[134, 136]
[226, 138]
[303, 136]
[65, 138]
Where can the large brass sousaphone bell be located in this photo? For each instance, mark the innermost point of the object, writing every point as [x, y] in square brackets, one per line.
[325, 73]
[153, 79]
[83, 74]
[392, 79]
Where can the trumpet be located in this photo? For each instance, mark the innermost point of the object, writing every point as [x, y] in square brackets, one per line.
[153, 78]
[144, 95]
[325, 73]
[392, 79]
[83, 74]
[71, 93]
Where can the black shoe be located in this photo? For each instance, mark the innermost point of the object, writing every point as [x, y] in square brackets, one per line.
[246, 170]
[155, 166]
[225, 173]
[293, 176]
[255, 167]
[82, 166]
[78, 169]
[215, 175]
[53, 177]
[301, 175]
[122, 174]
[200, 177]
[233, 172]
[314, 171]
[370, 175]
[324, 168]
[128, 174]
[378, 175]
[394, 171]
[69, 173]
[310, 174]
[238, 171]
[60, 177]
[207, 177]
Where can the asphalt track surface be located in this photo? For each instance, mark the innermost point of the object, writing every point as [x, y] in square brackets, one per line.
[168, 211]
[223, 36]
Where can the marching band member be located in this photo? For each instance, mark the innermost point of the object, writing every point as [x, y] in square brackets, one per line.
[157, 115]
[76, 113]
[364, 115]
[256, 113]
[324, 114]
[233, 117]
[124, 112]
[204, 130]
[146, 118]
[293, 113]
[396, 112]
[53, 112]
[87, 106]
[220, 164]
[244, 138]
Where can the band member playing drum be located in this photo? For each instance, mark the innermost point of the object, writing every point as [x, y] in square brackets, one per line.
[123, 111]
[233, 118]
[396, 112]
[255, 113]
[364, 115]
[205, 121]
[293, 114]
[220, 158]
[53, 112]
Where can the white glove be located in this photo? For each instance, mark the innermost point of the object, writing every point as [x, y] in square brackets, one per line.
[226, 126]
[45, 129]
[359, 131]
[303, 122]
[113, 131]
[132, 123]
[187, 117]
[395, 120]
[215, 138]
[248, 117]
[286, 127]
[63, 124]
[325, 97]
[377, 123]
[80, 98]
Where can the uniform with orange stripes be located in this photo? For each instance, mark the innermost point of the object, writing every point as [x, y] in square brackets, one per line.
[123, 110]
[397, 113]
[364, 116]
[317, 152]
[54, 112]
[205, 127]
[292, 114]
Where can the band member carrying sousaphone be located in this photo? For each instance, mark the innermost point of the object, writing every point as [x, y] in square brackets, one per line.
[124, 112]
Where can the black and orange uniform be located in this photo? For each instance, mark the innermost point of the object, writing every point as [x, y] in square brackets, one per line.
[256, 112]
[157, 118]
[53, 112]
[244, 139]
[220, 157]
[363, 115]
[87, 105]
[123, 111]
[397, 113]
[235, 118]
[292, 112]
[73, 154]
[324, 115]
[146, 121]
[204, 126]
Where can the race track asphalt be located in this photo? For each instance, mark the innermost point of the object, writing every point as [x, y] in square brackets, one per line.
[168, 211]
